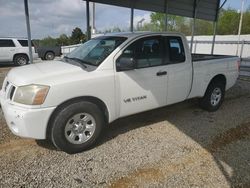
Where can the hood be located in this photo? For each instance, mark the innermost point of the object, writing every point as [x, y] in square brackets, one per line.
[39, 72]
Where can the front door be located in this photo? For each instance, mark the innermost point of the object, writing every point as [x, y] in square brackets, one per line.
[144, 87]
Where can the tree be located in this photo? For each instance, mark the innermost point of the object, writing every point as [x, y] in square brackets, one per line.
[116, 30]
[63, 40]
[203, 27]
[246, 21]
[228, 22]
[77, 36]
[157, 21]
[174, 23]
[48, 41]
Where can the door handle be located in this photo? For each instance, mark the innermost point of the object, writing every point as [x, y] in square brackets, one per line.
[161, 73]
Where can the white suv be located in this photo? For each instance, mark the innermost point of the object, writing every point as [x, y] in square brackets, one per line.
[16, 51]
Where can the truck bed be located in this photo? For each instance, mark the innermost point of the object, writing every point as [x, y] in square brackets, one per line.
[205, 57]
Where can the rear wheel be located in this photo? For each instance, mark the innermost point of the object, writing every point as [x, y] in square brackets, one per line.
[21, 60]
[77, 127]
[213, 97]
[49, 56]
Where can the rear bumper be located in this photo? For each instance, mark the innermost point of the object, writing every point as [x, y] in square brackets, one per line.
[29, 123]
[35, 56]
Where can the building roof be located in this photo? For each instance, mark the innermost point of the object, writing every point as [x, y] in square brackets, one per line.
[201, 9]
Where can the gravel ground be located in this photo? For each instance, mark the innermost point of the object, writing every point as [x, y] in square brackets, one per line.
[176, 146]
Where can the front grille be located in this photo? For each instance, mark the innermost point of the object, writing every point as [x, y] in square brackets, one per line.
[6, 86]
[12, 91]
[9, 90]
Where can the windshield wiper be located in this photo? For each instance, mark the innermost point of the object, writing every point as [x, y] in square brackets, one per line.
[81, 62]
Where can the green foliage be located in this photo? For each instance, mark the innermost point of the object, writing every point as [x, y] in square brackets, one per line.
[203, 27]
[77, 36]
[174, 23]
[115, 29]
[63, 40]
[48, 41]
[228, 23]
[246, 23]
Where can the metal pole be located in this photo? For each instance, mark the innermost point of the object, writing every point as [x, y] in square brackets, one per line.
[214, 35]
[93, 20]
[242, 47]
[26, 7]
[88, 21]
[195, 46]
[192, 37]
[240, 25]
[193, 26]
[132, 20]
[166, 22]
[166, 15]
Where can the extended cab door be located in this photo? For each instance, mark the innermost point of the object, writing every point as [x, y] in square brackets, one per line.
[7, 49]
[142, 85]
[177, 57]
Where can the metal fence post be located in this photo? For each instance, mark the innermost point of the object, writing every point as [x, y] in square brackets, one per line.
[132, 20]
[26, 7]
[214, 35]
[242, 48]
[88, 21]
[195, 46]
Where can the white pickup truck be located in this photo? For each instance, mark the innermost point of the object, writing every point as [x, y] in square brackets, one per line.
[71, 101]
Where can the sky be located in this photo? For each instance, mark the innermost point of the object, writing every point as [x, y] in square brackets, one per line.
[54, 17]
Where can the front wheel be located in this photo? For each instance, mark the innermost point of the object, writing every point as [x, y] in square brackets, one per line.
[77, 127]
[21, 60]
[213, 97]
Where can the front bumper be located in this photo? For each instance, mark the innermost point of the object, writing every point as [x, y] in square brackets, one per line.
[24, 122]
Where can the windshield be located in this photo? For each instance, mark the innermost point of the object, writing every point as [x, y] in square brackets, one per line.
[95, 51]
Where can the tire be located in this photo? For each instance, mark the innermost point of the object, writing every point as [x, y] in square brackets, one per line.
[49, 56]
[21, 60]
[77, 127]
[213, 97]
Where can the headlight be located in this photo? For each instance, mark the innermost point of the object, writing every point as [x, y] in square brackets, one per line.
[31, 94]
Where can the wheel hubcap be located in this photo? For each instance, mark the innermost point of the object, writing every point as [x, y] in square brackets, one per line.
[80, 128]
[49, 56]
[216, 96]
[21, 61]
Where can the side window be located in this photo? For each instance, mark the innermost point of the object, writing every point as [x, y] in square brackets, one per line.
[24, 43]
[146, 52]
[6, 43]
[175, 50]
[149, 53]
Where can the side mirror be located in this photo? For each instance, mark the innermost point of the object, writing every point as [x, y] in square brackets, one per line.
[125, 64]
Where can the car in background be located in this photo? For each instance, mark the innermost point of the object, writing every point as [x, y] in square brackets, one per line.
[15, 50]
[49, 53]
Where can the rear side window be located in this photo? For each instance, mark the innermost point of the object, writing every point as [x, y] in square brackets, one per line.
[6, 43]
[24, 43]
[175, 50]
